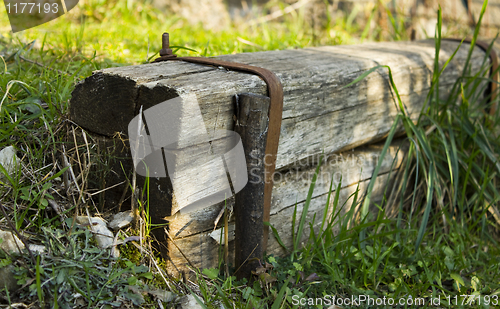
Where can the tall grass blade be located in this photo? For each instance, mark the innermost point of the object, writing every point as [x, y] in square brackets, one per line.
[276, 235]
[474, 37]
[367, 199]
[305, 209]
[437, 49]
[38, 281]
[364, 75]
[425, 219]
[327, 206]
[281, 295]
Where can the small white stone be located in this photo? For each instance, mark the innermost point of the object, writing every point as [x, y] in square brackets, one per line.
[189, 302]
[121, 220]
[9, 160]
[9, 241]
[162, 295]
[39, 249]
[102, 234]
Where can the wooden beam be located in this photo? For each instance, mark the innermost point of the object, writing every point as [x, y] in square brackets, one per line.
[320, 115]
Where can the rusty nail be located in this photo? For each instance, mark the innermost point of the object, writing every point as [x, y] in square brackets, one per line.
[165, 44]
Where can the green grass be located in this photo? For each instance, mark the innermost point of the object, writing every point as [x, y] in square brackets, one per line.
[117, 32]
[130, 32]
[442, 242]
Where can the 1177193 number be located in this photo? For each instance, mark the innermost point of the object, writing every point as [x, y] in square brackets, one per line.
[32, 8]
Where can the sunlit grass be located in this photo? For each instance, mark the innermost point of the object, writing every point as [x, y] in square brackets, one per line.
[444, 244]
[130, 32]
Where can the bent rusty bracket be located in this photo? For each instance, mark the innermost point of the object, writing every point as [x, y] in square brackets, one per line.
[275, 93]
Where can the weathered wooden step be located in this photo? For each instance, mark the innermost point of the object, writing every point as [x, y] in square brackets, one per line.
[320, 115]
